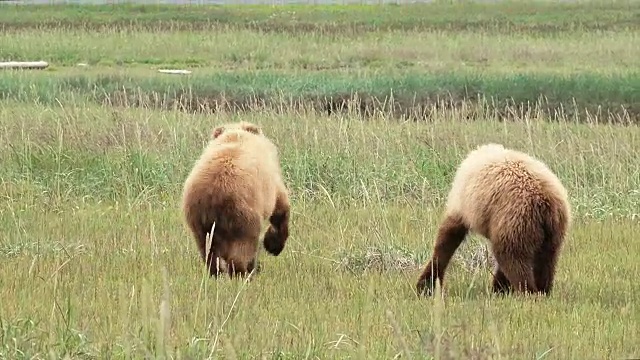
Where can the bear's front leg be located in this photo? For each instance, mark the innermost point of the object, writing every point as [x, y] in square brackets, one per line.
[451, 232]
[426, 282]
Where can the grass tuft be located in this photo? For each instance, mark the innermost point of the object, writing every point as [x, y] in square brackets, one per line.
[379, 259]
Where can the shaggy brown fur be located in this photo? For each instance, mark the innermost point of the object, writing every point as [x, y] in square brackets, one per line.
[517, 203]
[235, 185]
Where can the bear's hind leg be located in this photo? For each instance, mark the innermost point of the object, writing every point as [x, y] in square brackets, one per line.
[241, 255]
[241, 249]
[501, 284]
[278, 231]
[544, 266]
[214, 261]
[200, 235]
[517, 266]
[451, 233]
[238, 269]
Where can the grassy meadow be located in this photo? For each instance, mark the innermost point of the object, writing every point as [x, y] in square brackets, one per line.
[372, 109]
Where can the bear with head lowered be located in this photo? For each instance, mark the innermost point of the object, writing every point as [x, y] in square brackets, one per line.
[519, 205]
[234, 187]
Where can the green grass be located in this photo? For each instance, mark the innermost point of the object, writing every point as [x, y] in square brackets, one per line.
[582, 97]
[96, 262]
[90, 220]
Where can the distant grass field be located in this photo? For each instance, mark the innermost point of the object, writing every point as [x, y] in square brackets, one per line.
[96, 262]
[563, 59]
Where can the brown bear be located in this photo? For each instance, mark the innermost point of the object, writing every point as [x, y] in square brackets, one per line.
[519, 205]
[235, 186]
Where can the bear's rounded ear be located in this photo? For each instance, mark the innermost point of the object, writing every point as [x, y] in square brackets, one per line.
[252, 128]
[217, 132]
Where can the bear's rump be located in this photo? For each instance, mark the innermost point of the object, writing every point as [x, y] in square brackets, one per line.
[520, 223]
[502, 207]
[233, 216]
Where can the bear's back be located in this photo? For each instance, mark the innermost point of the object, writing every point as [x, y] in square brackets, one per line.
[239, 167]
[493, 181]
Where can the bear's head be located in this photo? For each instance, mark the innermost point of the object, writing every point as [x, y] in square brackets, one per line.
[242, 126]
